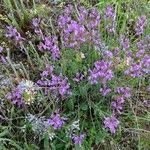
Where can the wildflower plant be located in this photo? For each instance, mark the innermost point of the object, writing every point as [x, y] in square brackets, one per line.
[76, 75]
[56, 84]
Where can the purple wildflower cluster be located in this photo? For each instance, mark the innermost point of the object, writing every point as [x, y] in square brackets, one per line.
[108, 55]
[138, 69]
[78, 26]
[140, 63]
[56, 121]
[79, 30]
[78, 139]
[36, 22]
[122, 94]
[58, 85]
[111, 123]
[110, 16]
[16, 97]
[116, 53]
[105, 90]
[125, 42]
[14, 34]
[74, 31]
[36, 26]
[140, 25]
[101, 73]
[48, 43]
[117, 105]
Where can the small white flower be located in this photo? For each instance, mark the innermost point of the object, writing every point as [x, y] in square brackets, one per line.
[75, 125]
[82, 55]
[51, 135]
[26, 85]
[28, 90]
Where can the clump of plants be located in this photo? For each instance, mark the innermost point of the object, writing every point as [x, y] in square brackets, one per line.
[75, 76]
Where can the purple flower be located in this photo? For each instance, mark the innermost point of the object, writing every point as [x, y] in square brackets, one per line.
[93, 19]
[140, 66]
[83, 14]
[68, 9]
[109, 11]
[146, 103]
[125, 42]
[80, 30]
[36, 22]
[124, 91]
[63, 20]
[48, 71]
[36, 26]
[58, 85]
[122, 94]
[116, 51]
[75, 35]
[140, 53]
[111, 123]
[16, 97]
[134, 70]
[109, 17]
[145, 63]
[105, 91]
[108, 54]
[78, 77]
[117, 105]
[3, 59]
[140, 25]
[56, 121]
[50, 44]
[148, 88]
[101, 73]
[13, 33]
[141, 45]
[78, 139]
[1, 49]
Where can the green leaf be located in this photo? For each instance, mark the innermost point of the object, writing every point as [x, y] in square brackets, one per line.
[84, 106]
[70, 104]
[46, 142]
